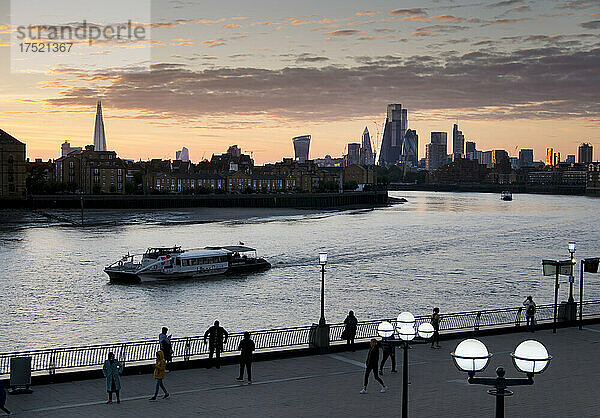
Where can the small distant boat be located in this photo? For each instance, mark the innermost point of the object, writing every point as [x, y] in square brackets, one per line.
[506, 196]
[171, 263]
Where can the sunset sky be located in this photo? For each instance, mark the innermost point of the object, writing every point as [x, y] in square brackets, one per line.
[516, 74]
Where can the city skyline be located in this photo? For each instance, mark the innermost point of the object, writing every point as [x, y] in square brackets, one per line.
[515, 74]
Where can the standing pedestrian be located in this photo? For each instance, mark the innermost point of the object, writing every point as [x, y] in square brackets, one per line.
[165, 345]
[350, 329]
[3, 398]
[389, 350]
[530, 313]
[112, 370]
[246, 348]
[159, 374]
[435, 321]
[217, 338]
[372, 364]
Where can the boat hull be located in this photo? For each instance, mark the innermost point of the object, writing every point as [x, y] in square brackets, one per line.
[134, 277]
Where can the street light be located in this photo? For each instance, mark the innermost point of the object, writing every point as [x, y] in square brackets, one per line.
[472, 356]
[571, 278]
[405, 329]
[555, 268]
[591, 266]
[322, 262]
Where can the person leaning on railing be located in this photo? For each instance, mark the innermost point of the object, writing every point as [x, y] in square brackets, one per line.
[349, 332]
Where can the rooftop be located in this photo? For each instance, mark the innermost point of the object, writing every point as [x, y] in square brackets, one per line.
[6, 137]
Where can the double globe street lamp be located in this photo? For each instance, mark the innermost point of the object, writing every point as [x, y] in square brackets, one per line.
[405, 329]
[472, 356]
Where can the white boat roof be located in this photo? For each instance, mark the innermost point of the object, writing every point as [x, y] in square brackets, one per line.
[203, 253]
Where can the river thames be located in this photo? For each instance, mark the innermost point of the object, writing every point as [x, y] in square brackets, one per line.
[458, 251]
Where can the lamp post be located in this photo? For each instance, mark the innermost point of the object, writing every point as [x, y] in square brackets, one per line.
[571, 278]
[472, 356]
[405, 329]
[322, 262]
[554, 268]
[590, 265]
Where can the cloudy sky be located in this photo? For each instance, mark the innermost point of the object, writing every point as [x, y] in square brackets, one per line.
[514, 73]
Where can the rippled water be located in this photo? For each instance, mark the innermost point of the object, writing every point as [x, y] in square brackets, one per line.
[456, 251]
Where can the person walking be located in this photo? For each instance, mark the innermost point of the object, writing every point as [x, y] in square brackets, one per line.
[530, 313]
[350, 329]
[159, 374]
[165, 345]
[435, 321]
[112, 369]
[372, 364]
[389, 350]
[3, 398]
[246, 348]
[217, 338]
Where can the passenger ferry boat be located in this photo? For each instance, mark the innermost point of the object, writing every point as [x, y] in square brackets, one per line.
[506, 196]
[169, 263]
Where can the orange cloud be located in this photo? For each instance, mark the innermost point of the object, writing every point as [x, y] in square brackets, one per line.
[232, 25]
[343, 32]
[367, 13]
[212, 43]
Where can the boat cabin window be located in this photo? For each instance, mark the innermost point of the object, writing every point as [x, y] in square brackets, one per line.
[178, 261]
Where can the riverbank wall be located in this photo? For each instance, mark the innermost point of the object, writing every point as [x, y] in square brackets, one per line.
[282, 200]
[492, 188]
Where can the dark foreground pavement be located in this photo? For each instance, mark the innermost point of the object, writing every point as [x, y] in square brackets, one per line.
[329, 385]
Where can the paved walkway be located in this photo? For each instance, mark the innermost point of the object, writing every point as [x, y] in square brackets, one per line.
[328, 385]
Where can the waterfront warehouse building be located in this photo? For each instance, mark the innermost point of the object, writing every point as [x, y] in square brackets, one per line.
[12, 167]
[301, 148]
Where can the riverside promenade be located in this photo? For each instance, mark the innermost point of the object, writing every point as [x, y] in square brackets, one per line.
[329, 385]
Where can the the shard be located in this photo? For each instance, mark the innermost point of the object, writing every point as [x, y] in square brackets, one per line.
[99, 137]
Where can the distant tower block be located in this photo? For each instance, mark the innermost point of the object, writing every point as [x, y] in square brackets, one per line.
[183, 155]
[99, 137]
[301, 147]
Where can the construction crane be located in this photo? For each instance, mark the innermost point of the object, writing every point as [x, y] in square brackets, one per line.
[376, 152]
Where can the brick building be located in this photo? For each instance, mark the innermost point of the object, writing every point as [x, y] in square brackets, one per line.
[12, 167]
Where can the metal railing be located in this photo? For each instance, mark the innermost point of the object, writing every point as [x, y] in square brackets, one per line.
[144, 352]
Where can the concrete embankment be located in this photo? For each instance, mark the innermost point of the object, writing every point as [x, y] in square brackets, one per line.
[490, 188]
[282, 200]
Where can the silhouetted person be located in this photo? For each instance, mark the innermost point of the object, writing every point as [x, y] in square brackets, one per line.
[530, 313]
[389, 350]
[217, 337]
[246, 347]
[165, 345]
[350, 329]
[3, 398]
[372, 363]
[159, 374]
[112, 370]
[435, 321]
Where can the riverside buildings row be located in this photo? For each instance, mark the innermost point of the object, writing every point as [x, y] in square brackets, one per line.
[95, 172]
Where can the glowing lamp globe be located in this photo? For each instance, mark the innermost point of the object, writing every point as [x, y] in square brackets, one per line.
[426, 330]
[471, 356]
[322, 258]
[407, 332]
[405, 318]
[531, 357]
[385, 329]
